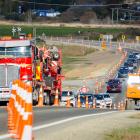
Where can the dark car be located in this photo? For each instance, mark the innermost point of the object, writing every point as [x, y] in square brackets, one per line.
[114, 85]
[130, 65]
[123, 72]
[83, 99]
[137, 55]
[132, 56]
[134, 61]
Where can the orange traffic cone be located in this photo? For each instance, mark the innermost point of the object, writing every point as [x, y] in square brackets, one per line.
[68, 101]
[78, 102]
[40, 102]
[110, 106]
[94, 103]
[87, 105]
[119, 106]
[114, 107]
[56, 100]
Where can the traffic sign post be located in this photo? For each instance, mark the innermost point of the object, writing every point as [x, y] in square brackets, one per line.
[123, 38]
[16, 29]
[137, 39]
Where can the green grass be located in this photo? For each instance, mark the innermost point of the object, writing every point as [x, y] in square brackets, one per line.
[125, 134]
[58, 31]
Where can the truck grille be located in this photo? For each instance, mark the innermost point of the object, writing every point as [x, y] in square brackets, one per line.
[8, 73]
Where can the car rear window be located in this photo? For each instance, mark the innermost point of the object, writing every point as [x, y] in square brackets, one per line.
[65, 93]
[106, 96]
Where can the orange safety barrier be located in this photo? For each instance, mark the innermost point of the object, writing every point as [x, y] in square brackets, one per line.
[20, 111]
[56, 100]
[68, 101]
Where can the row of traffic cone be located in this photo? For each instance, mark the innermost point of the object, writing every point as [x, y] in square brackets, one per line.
[20, 111]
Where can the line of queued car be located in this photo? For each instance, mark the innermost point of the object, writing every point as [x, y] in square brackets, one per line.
[102, 99]
[113, 86]
[130, 66]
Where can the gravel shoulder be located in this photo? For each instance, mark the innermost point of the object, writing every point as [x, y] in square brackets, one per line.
[93, 128]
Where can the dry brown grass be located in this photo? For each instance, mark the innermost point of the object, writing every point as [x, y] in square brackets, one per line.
[125, 134]
[136, 116]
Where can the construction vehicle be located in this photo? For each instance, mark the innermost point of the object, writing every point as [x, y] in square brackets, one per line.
[40, 67]
[133, 90]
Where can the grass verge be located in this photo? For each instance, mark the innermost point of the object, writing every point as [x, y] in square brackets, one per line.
[132, 133]
[125, 134]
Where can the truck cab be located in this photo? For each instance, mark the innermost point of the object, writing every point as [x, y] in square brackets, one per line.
[133, 89]
[15, 63]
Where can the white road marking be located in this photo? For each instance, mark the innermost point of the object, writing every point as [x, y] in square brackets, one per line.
[69, 119]
[5, 136]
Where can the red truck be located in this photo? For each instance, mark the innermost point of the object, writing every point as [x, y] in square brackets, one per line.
[41, 67]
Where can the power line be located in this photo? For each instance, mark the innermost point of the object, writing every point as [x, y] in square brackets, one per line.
[70, 5]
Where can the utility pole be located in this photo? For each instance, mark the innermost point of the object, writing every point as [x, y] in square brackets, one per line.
[130, 19]
[112, 15]
[117, 14]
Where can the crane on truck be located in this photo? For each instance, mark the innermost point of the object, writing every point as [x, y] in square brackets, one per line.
[40, 67]
[133, 90]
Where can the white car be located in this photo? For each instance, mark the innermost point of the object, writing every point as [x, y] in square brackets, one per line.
[64, 98]
[100, 102]
[107, 99]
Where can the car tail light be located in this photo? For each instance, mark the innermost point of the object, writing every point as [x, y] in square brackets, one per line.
[108, 87]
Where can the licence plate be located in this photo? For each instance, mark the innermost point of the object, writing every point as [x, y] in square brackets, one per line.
[5, 95]
[114, 89]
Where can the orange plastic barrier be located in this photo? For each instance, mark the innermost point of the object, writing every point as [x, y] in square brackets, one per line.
[20, 111]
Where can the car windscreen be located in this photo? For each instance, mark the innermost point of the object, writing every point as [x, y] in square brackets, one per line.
[16, 52]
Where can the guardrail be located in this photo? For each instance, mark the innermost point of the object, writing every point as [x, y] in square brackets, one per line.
[89, 43]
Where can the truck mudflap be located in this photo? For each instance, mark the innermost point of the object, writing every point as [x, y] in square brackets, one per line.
[5, 94]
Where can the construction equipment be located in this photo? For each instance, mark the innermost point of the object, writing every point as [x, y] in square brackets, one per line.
[133, 90]
[39, 67]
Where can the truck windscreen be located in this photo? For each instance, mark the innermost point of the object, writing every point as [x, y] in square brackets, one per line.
[6, 52]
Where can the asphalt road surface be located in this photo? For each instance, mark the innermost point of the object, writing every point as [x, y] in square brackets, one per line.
[49, 115]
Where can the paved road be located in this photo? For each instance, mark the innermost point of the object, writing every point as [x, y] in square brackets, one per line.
[48, 115]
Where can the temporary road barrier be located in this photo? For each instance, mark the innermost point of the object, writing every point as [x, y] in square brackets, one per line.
[20, 111]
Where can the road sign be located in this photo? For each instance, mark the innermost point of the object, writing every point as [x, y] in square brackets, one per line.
[107, 37]
[137, 38]
[13, 30]
[123, 37]
[84, 89]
